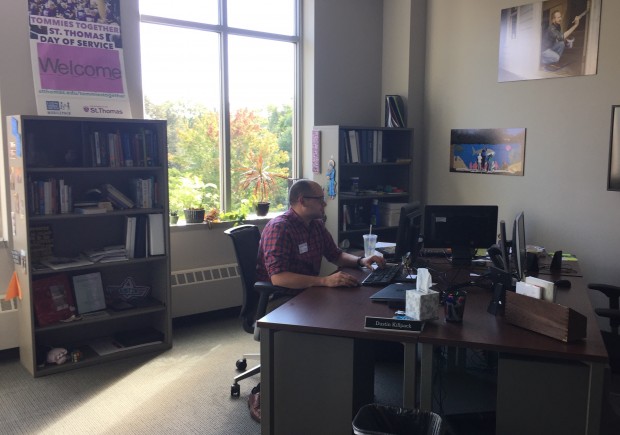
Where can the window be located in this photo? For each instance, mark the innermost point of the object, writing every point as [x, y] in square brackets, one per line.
[202, 59]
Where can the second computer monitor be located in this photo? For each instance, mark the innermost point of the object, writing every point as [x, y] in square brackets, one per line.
[461, 228]
[409, 228]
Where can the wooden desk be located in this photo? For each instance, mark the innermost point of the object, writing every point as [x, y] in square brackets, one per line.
[315, 370]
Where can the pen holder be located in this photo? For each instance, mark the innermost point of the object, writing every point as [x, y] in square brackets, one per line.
[454, 305]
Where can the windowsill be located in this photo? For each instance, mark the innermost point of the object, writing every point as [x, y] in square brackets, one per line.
[250, 219]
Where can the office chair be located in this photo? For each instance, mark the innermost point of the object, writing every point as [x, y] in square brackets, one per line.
[256, 295]
[611, 338]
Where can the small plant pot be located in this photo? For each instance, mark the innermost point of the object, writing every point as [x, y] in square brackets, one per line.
[174, 219]
[262, 208]
[194, 216]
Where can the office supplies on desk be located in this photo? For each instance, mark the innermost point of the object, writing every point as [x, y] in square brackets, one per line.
[382, 276]
[393, 324]
[422, 303]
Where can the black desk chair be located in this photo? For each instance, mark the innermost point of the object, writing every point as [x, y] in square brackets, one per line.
[611, 339]
[256, 295]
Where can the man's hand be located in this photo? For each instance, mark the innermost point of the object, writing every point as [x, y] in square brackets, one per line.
[341, 279]
[367, 262]
[576, 20]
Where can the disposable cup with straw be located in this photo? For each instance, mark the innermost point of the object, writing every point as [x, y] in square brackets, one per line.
[370, 243]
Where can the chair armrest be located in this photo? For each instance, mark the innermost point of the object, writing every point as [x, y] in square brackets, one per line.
[611, 291]
[266, 289]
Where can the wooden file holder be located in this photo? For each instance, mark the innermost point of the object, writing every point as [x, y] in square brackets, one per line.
[553, 320]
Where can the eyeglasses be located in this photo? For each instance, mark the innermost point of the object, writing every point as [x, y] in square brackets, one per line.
[322, 198]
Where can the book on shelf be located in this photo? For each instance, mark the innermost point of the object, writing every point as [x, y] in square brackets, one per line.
[141, 237]
[119, 149]
[394, 111]
[126, 147]
[143, 192]
[354, 144]
[107, 254]
[89, 210]
[50, 196]
[126, 340]
[53, 299]
[116, 197]
[156, 234]
[130, 236]
[346, 217]
[59, 263]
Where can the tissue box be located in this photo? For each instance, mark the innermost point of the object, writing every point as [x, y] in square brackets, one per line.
[422, 304]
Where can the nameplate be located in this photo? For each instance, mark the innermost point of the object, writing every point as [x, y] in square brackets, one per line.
[391, 324]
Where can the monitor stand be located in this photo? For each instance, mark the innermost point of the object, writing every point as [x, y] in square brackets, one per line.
[461, 255]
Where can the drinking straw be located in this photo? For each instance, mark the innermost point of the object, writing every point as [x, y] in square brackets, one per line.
[370, 231]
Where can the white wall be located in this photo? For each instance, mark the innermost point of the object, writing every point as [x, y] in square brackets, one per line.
[347, 65]
[563, 192]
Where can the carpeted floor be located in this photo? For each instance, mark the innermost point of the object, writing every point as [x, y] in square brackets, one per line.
[185, 390]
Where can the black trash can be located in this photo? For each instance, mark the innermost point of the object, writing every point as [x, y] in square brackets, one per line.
[374, 419]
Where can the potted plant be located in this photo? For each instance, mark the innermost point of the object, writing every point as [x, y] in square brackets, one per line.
[191, 195]
[262, 181]
[174, 217]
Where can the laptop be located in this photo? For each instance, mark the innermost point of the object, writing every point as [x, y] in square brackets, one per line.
[393, 293]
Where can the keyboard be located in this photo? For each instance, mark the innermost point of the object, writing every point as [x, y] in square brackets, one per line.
[382, 276]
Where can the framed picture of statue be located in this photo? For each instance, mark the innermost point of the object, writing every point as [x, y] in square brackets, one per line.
[497, 151]
[549, 39]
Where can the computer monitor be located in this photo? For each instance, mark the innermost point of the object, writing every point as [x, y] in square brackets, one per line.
[408, 233]
[504, 246]
[519, 247]
[461, 228]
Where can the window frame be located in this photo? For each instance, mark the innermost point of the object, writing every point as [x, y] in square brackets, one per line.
[224, 32]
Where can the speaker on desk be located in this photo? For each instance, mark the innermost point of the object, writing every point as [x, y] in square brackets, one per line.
[532, 262]
[556, 263]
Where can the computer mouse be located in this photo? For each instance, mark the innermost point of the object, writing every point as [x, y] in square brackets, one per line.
[562, 283]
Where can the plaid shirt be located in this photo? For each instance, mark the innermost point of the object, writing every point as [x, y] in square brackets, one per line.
[287, 245]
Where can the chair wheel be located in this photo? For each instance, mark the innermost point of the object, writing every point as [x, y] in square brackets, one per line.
[235, 390]
[242, 364]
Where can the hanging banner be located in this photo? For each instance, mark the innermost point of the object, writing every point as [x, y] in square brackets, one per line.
[77, 58]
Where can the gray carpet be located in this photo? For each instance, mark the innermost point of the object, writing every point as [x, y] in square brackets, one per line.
[185, 390]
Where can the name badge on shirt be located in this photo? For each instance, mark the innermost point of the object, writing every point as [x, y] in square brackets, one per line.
[303, 248]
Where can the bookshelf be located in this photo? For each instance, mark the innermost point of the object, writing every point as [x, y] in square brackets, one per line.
[372, 163]
[60, 167]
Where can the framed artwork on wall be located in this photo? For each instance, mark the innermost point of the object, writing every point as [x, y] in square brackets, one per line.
[613, 177]
[549, 39]
[499, 151]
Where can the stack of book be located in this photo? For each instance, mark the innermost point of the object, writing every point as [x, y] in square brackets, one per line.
[49, 196]
[41, 242]
[144, 192]
[92, 207]
[144, 235]
[116, 149]
[362, 146]
[107, 254]
[116, 197]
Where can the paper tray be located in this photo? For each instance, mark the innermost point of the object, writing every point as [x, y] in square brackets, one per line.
[547, 318]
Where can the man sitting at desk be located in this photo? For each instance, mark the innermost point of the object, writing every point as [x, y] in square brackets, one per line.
[293, 244]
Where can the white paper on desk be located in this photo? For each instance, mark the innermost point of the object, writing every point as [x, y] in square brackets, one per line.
[385, 245]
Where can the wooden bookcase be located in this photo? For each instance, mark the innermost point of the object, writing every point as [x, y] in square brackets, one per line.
[51, 149]
[385, 176]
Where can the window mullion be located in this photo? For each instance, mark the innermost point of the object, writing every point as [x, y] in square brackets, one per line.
[225, 146]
